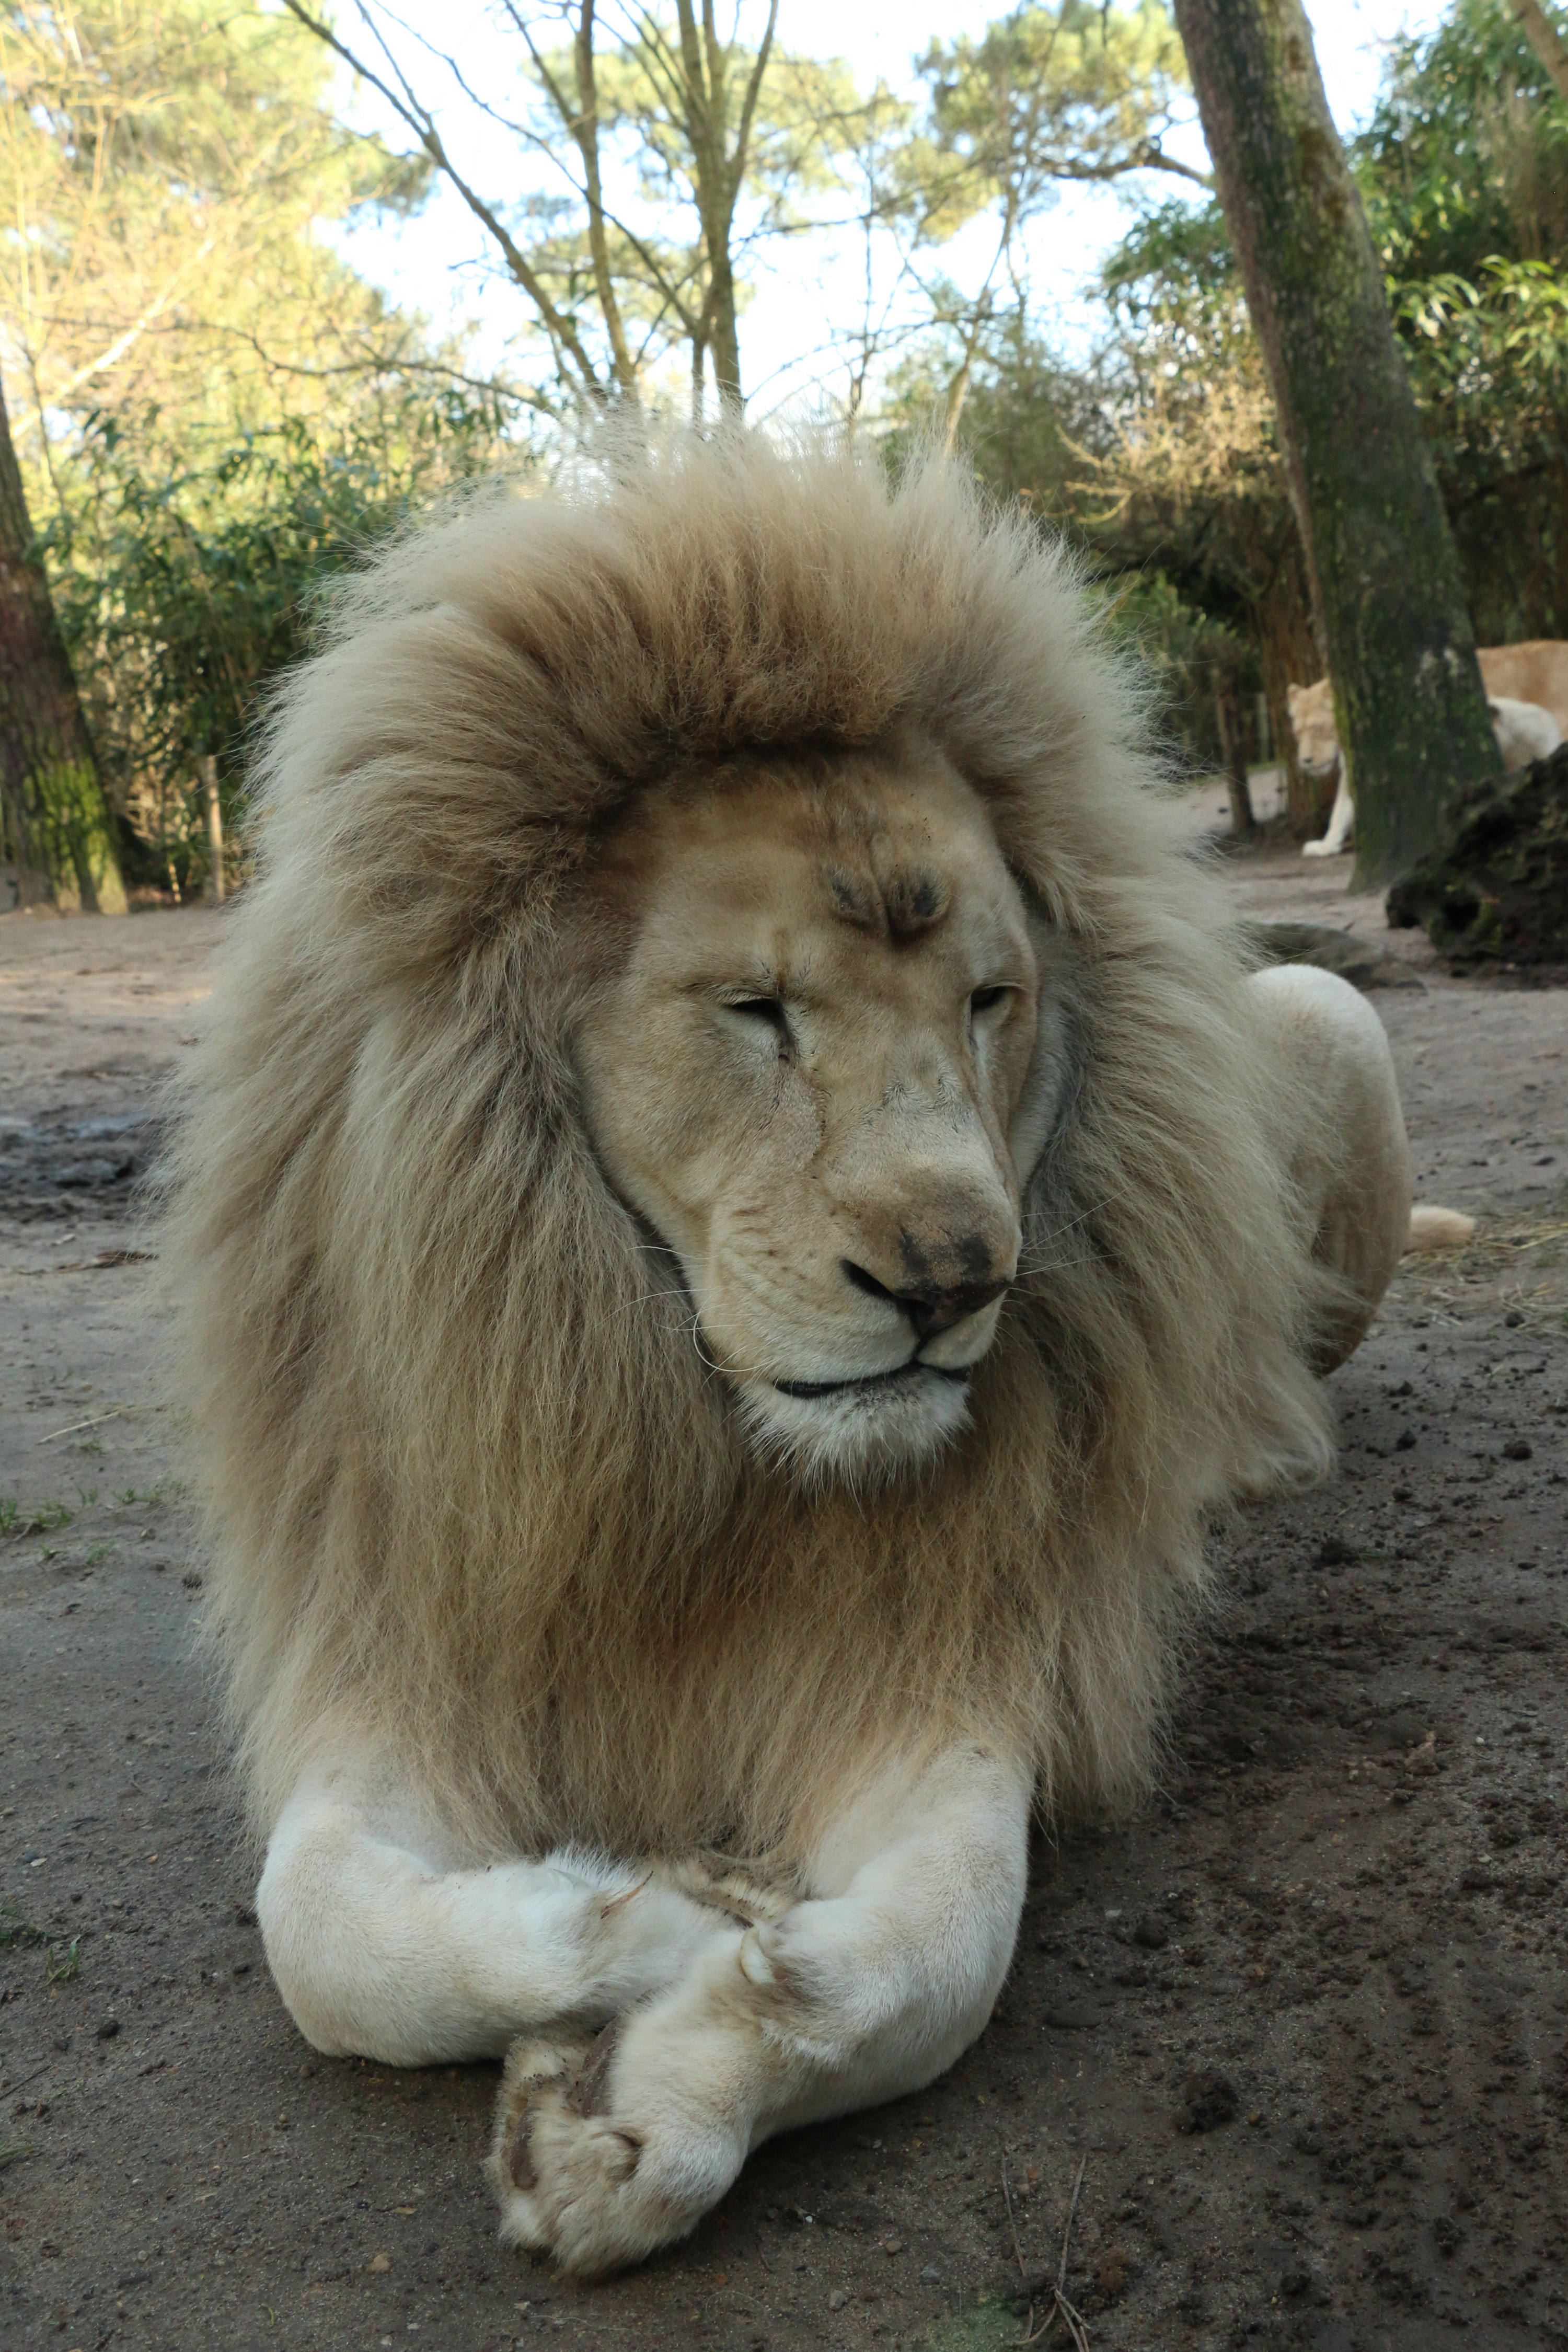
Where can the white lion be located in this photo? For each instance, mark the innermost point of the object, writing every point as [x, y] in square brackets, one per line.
[741, 1210]
[1526, 695]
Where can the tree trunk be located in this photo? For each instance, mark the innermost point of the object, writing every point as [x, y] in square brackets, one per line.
[1550, 55]
[1230, 710]
[207, 774]
[1282, 629]
[1386, 588]
[56, 822]
[724, 331]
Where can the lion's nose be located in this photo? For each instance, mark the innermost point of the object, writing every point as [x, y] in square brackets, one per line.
[931, 1306]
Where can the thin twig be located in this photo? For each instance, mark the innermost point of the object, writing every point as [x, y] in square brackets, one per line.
[113, 1414]
[1018, 2253]
[1062, 2309]
[1072, 2209]
[32, 2077]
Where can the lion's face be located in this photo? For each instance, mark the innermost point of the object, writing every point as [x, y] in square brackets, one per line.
[1311, 711]
[818, 1063]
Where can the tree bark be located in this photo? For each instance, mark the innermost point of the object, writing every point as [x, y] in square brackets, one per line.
[1387, 591]
[1230, 710]
[1550, 52]
[56, 823]
[719, 170]
[585, 131]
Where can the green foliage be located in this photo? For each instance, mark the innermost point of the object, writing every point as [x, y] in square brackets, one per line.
[230, 409]
[16, 1931]
[1155, 457]
[181, 593]
[1045, 94]
[64, 1962]
[166, 165]
[1466, 153]
[1159, 456]
[1464, 169]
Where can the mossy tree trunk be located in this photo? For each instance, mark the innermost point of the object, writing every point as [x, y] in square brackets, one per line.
[1282, 629]
[1230, 712]
[57, 825]
[1388, 596]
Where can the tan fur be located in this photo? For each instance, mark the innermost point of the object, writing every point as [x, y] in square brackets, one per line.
[473, 1489]
[1534, 672]
[1438, 1229]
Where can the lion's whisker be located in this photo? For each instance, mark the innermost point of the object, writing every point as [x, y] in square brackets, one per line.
[648, 1297]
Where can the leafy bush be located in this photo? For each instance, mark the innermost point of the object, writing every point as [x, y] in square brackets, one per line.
[181, 593]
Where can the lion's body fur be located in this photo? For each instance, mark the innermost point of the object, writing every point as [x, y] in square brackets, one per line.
[478, 1506]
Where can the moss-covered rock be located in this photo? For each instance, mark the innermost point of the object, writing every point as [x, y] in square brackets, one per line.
[1499, 892]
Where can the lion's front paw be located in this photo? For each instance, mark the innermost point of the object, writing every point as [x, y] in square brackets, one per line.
[743, 1896]
[586, 2171]
[533, 2071]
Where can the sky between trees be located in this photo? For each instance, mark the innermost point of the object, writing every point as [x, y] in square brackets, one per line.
[435, 261]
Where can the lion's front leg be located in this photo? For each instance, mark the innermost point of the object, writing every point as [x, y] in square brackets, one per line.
[388, 1942]
[605, 2148]
[1341, 818]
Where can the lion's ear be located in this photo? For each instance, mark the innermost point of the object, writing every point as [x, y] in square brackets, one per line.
[1294, 697]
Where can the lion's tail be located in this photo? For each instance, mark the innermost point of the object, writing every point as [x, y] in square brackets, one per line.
[1437, 1229]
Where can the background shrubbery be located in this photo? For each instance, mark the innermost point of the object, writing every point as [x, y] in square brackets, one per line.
[183, 589]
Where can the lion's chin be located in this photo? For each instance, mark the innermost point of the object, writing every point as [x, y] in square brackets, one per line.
[858, 1433]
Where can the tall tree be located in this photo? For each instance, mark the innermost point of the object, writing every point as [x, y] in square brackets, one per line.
[167, 171]
[668, 153]
[56, 822]
[1053, 92]
[1386, 579]
[180, 344]
[1546, 41]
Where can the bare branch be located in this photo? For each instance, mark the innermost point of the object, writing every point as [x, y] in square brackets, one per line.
[749, 103]
[560, 328]
[585, 131]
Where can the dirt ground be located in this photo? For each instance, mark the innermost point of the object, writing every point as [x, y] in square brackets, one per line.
[1297, 2033]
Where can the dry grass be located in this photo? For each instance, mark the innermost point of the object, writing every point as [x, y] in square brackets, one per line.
[1501, 1267]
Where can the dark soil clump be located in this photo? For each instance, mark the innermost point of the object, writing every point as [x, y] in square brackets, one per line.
[1498, 893]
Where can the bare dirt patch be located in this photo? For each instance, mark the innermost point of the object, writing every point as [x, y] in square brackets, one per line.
[1302, 2023]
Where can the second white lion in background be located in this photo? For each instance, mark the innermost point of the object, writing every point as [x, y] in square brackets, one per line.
[1527, 694]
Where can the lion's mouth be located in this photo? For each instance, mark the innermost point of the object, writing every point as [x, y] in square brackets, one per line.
[902, 1376]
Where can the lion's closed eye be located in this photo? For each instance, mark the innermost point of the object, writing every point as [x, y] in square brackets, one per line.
[765, 1018]
[766, 1009]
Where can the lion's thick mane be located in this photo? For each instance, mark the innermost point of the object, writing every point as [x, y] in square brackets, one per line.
[473, 1489]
